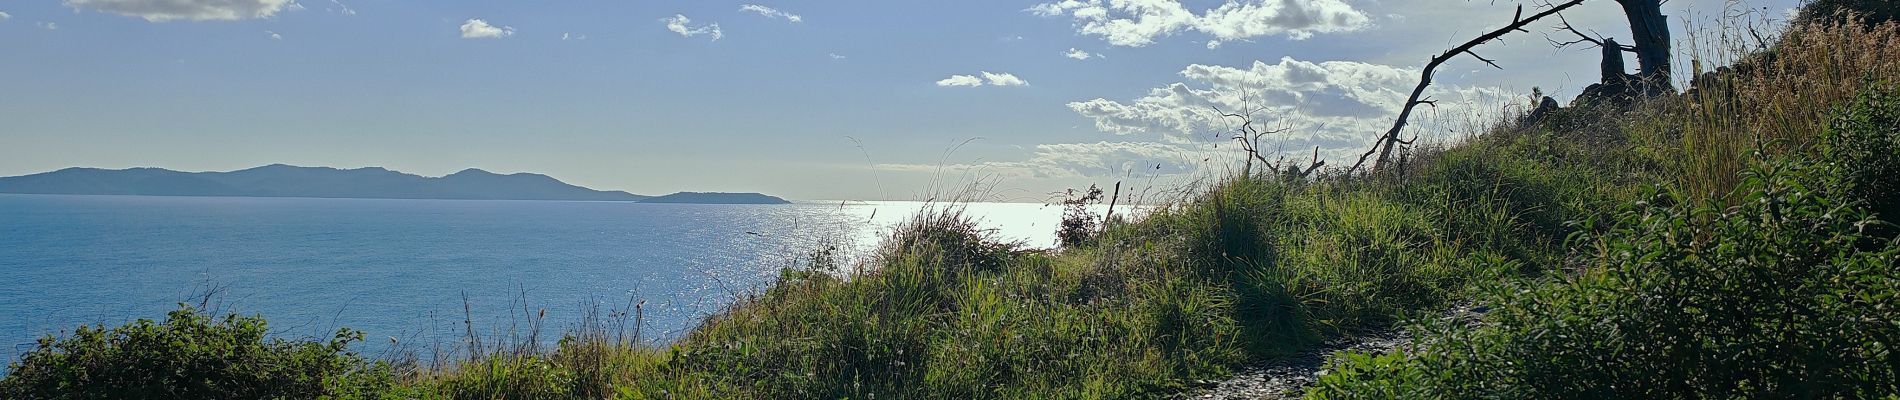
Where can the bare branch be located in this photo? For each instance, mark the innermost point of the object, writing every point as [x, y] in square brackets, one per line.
[1383, 145]
[1581, 37]
[1494, 63]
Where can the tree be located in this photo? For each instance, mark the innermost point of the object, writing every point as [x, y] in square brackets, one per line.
[1649, 29]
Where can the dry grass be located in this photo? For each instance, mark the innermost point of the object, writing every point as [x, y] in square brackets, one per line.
[1775, 100]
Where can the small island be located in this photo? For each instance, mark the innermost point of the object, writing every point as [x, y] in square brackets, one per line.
[279, 180]
[716, 198]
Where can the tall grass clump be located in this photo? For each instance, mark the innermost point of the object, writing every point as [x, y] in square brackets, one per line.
[1310, 260]
[943, 310]
[1776, 98]
[591, 360]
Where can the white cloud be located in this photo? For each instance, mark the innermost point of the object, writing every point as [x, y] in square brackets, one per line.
[678, 23]
[960, 80]
[1176, 131]
[769, 12]
[1336, 105]
[1140, 22]
[572, 36]
[191, 10]
[835, 56]
[1003, 79]
[1077, 54]
[989, 78]
[476, 28]
[340, 8]
[5, 16]
[274, 35]
[1213, 44]
[51, 26]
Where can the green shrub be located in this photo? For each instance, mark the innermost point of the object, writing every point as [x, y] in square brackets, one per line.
[1772, 298]
[191, 355]
[1079, 227]
[1864, 138]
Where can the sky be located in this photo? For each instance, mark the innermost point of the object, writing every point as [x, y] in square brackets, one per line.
[834, 100]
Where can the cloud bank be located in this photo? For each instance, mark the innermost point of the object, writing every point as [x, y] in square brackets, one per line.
[188, 10]
[1139, 22]
[1336, 105]
[988, 78]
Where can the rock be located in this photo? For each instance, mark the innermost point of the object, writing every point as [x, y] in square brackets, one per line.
[1618, 88]
[1537, 115]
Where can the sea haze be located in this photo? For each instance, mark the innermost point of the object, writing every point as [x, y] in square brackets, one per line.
[400, 268]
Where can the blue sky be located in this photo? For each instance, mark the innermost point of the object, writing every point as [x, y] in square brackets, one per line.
[848, 100]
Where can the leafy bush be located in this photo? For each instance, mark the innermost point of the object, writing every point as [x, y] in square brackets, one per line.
[1864, 138]
[1078, 222]
[1772, 298]
[191, 355]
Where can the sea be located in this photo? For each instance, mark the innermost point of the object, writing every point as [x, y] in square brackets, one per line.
[419, 275]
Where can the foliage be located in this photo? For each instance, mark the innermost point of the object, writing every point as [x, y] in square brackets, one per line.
[1864, 138]
[193, 355]
[1078, 222]
[1771, 298]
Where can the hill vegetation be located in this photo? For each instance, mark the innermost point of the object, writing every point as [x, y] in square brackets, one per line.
[1729, 243]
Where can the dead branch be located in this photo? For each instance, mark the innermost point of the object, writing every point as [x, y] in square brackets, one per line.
[1383, 145]
[1314, 166]
[1596, 40]
[1249, 137]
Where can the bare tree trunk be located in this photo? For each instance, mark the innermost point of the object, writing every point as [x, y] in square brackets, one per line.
[1650, 35]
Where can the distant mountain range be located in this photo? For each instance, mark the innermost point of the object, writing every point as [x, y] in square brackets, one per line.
[716, 198]
[280, 180]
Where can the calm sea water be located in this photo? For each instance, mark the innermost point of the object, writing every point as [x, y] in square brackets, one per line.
[401, 268]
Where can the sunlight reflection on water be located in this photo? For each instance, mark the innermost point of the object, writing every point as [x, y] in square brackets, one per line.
[399, 268]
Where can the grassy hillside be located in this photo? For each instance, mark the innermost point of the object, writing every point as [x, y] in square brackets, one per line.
[1725, 244]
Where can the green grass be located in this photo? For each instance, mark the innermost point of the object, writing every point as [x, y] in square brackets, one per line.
[1658, 251]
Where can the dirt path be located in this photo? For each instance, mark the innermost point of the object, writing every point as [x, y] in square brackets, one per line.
[1287, 378]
